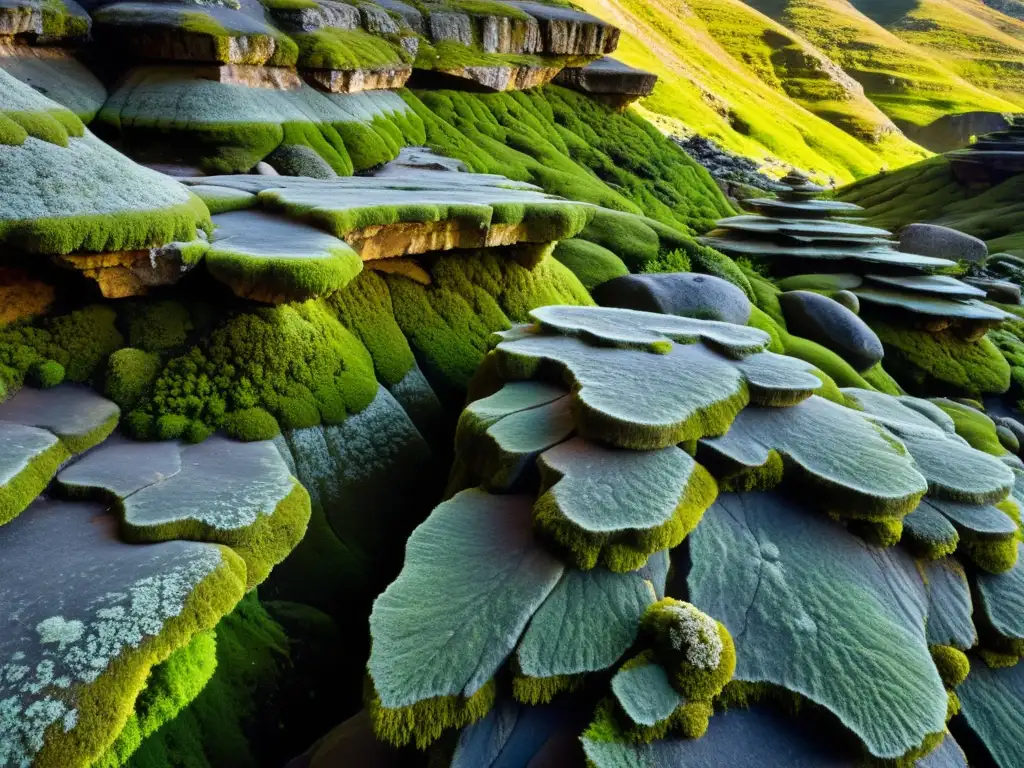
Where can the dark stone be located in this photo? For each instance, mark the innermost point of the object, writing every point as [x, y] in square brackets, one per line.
[942, 243]
[996, 290]
[677, 293]
[832, 325]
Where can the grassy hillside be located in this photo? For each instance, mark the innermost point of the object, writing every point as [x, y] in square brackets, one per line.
[982, 45]
[913, 85]
[730, 73]
[929, 192]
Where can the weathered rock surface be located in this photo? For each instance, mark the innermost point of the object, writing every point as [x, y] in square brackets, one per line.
[832, 325]
[608, 77]
[942, 243]
[685, 294]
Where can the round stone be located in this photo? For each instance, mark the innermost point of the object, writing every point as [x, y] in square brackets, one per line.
[685, 294]
[832, 325]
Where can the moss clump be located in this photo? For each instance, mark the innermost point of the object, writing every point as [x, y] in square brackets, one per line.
[425, 721]
[46, 374]
[158, 326]
[591, 263]
[697, 652]
[990, 554]
[345, 49]
[300, 160]
[171, 686]
[79, 342]
[671, 261]
[294, 364]
[953, 664]
[878, 378]
[226, 723]
[840, 371]
[974, 427]
[627, 550]
[449, 323]
[364, 307]
[130, 374]
[688, 720]
[881, 533]
[942, 362]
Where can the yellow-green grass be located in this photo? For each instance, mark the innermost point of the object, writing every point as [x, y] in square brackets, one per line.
[704, 88]
[912, 85]
[981, 45]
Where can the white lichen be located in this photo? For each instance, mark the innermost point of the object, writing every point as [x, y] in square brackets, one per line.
[695, 634]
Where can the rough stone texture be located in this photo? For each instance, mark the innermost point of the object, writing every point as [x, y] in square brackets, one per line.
[411, 15]
[456, 27]
[942, 243]
[677, 293]
[608, 76]
[357, 80]
[568, 32]
[832, 325]
[503, 77]
[77, 415]
[326, 13]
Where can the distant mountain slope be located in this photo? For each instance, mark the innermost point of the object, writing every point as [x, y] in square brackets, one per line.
[912, 85]
[980, 44]
[731, 73]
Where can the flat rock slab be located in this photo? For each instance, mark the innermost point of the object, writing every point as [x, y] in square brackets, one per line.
[75, 414]
[832, 325]
[1000, 291]
[416, 211]
[677, 293]
[922, 304]
[942, 243]
[608, 76]
[807, 209]
[822, 230]
[29, 457]
[122, 467]
[815, 610]
[63, 627]
[273, 259]
[934, 285]
[993, 706]
[867, 255]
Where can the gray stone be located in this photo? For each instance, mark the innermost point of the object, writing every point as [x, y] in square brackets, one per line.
[411, 15]
[608, 76]
[942, 243]
[999, 291]
[445, 25]
[1008, 439]
[1014, 427]
[832, 325]
[677, 293]
[265, 169]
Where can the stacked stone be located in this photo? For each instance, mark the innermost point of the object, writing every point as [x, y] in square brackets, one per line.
[993, 157]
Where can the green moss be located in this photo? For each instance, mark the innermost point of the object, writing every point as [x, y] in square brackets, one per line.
[672, 261]
[171, 686]
[158, 326]
[22, 489]
[881, 533]
[936, 363]
[296, 362]
[107, 232]
[425, 721]
[250, 425]
[46, 374]
[630, 550]
[878, 378]
[591, 263]
[688, 720]
[541, 690]
[764, 478]
[449, 323]
[953, 664]
[364, 307]
[763, 322]
[974, 427]
[989, 554]
[79, 341]
[227, 724]
[103, 713]
[697, 652]
[840, 371]
[345, 49]
[130, 374]
[297, 160]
